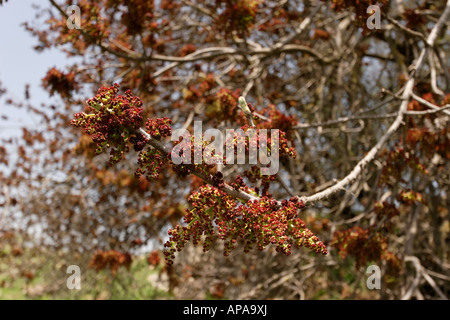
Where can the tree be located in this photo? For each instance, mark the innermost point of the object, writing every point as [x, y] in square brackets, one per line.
[364, 139]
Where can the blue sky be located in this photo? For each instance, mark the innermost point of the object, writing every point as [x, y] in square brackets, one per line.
[20, 64]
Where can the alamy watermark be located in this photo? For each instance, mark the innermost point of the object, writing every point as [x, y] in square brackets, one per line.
[212, 153]
[374, 21]
[74, 19]
[374, 280]
[74, 281]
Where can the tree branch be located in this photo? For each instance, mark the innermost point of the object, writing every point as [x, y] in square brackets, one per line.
[164, 149]
[428, 104]
[407, 93]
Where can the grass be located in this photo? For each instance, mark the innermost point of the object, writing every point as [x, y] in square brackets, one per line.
[49, 281]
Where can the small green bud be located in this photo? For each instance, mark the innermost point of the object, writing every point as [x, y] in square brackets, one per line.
[243, 105]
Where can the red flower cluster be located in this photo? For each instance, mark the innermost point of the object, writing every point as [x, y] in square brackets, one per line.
[58, 82]
[154, 259]
[199, 91]
[423, 138]
[258, 223]
[241, 143]
[187, 49]
[138, 16]
[239, 183]
[3, 155]
[150, 163]
[238, 15]
[203, 168]
[225, 107]
[281, 142]
[365, 245]
[113, 121]
[278, 120]
[395, 166]
[254, 175]
[409, 196]
[159, 127]
[281, 16]
[138, 141]
[385, 211]
[358, 243]
[414, 18]
[110, 260]
[360, 7]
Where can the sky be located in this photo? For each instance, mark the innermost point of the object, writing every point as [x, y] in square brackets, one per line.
[21, 64]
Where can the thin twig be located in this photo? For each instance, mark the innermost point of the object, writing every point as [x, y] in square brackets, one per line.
[407, 93]
[428, 104]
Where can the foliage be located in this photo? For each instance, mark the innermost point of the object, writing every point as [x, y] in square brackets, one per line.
[333, 87]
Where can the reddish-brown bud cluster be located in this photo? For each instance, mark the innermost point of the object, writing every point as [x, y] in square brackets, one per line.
[112, 260]
[187, 49]
[138, 17]
[59, 82]
[217, 179]
[395, 166]
[278, 120]
[237, 16]
[360, 7]
[154, 258]
[409, 196]
[181, 170]
[414, 18]
[259, 141]
[3, 155]
[224, 107]
[365, 245]
[197, 151]
[199, 90]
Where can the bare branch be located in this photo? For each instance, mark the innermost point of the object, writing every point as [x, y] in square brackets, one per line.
[429, 104]
[407, 93]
